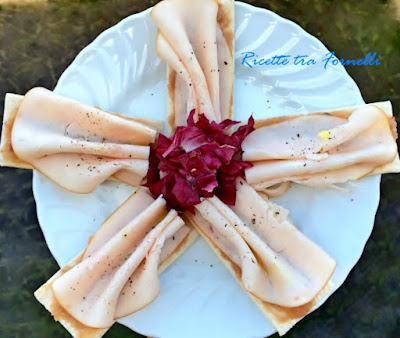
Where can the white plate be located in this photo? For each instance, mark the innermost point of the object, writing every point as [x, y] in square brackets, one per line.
[120, 71]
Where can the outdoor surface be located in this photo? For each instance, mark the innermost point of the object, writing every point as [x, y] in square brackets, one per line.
[39, 40]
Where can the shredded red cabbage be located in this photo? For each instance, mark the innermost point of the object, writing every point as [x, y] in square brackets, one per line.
[200, 160]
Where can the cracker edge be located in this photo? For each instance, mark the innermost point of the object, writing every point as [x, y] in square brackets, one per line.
[282, 327]
[46, 297]
[386, 106]
[229, 31]
[12, 102]
[7, 155]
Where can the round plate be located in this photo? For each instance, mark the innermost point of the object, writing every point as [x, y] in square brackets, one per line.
[120, 72]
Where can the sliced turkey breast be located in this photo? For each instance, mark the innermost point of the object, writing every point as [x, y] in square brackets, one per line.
[321, 149]
[76, 146]
[117, 274]
[199, 55]
[271, 259]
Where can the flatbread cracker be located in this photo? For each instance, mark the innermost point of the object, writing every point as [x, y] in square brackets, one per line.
[11, 105]
[283, 319]
[386, 106]
[226, 21]
[46, 297]
[7, 155]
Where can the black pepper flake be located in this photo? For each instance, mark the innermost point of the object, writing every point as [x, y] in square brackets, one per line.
[241, 183]
[277, 213]
[173, 238]
[225, 63]
[253, 221]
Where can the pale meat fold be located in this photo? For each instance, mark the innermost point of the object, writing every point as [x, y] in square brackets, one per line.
[280, 268]
[321, 149]
[195, 39]
[117, 274]
[78, 146]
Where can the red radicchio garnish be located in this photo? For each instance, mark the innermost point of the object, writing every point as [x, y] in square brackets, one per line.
[200, 160]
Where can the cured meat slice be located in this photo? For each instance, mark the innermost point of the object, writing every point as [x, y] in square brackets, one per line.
[76, 146]
[282, 270]
[117, 274]
[322, 149]
[199, 57]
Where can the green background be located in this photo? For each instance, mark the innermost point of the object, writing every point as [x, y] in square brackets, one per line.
[38, 41]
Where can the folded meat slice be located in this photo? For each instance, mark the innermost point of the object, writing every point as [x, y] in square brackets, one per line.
[75, 145]
[199, 57]
[280, 268]
[117, 274]
[322, 149]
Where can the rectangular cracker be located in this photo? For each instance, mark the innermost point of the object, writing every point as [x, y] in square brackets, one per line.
[283, 319]
[11, 105]
[78, 330]
[386, 106]
[226, 21]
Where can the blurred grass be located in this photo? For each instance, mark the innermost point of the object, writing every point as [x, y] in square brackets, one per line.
[38, 41]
